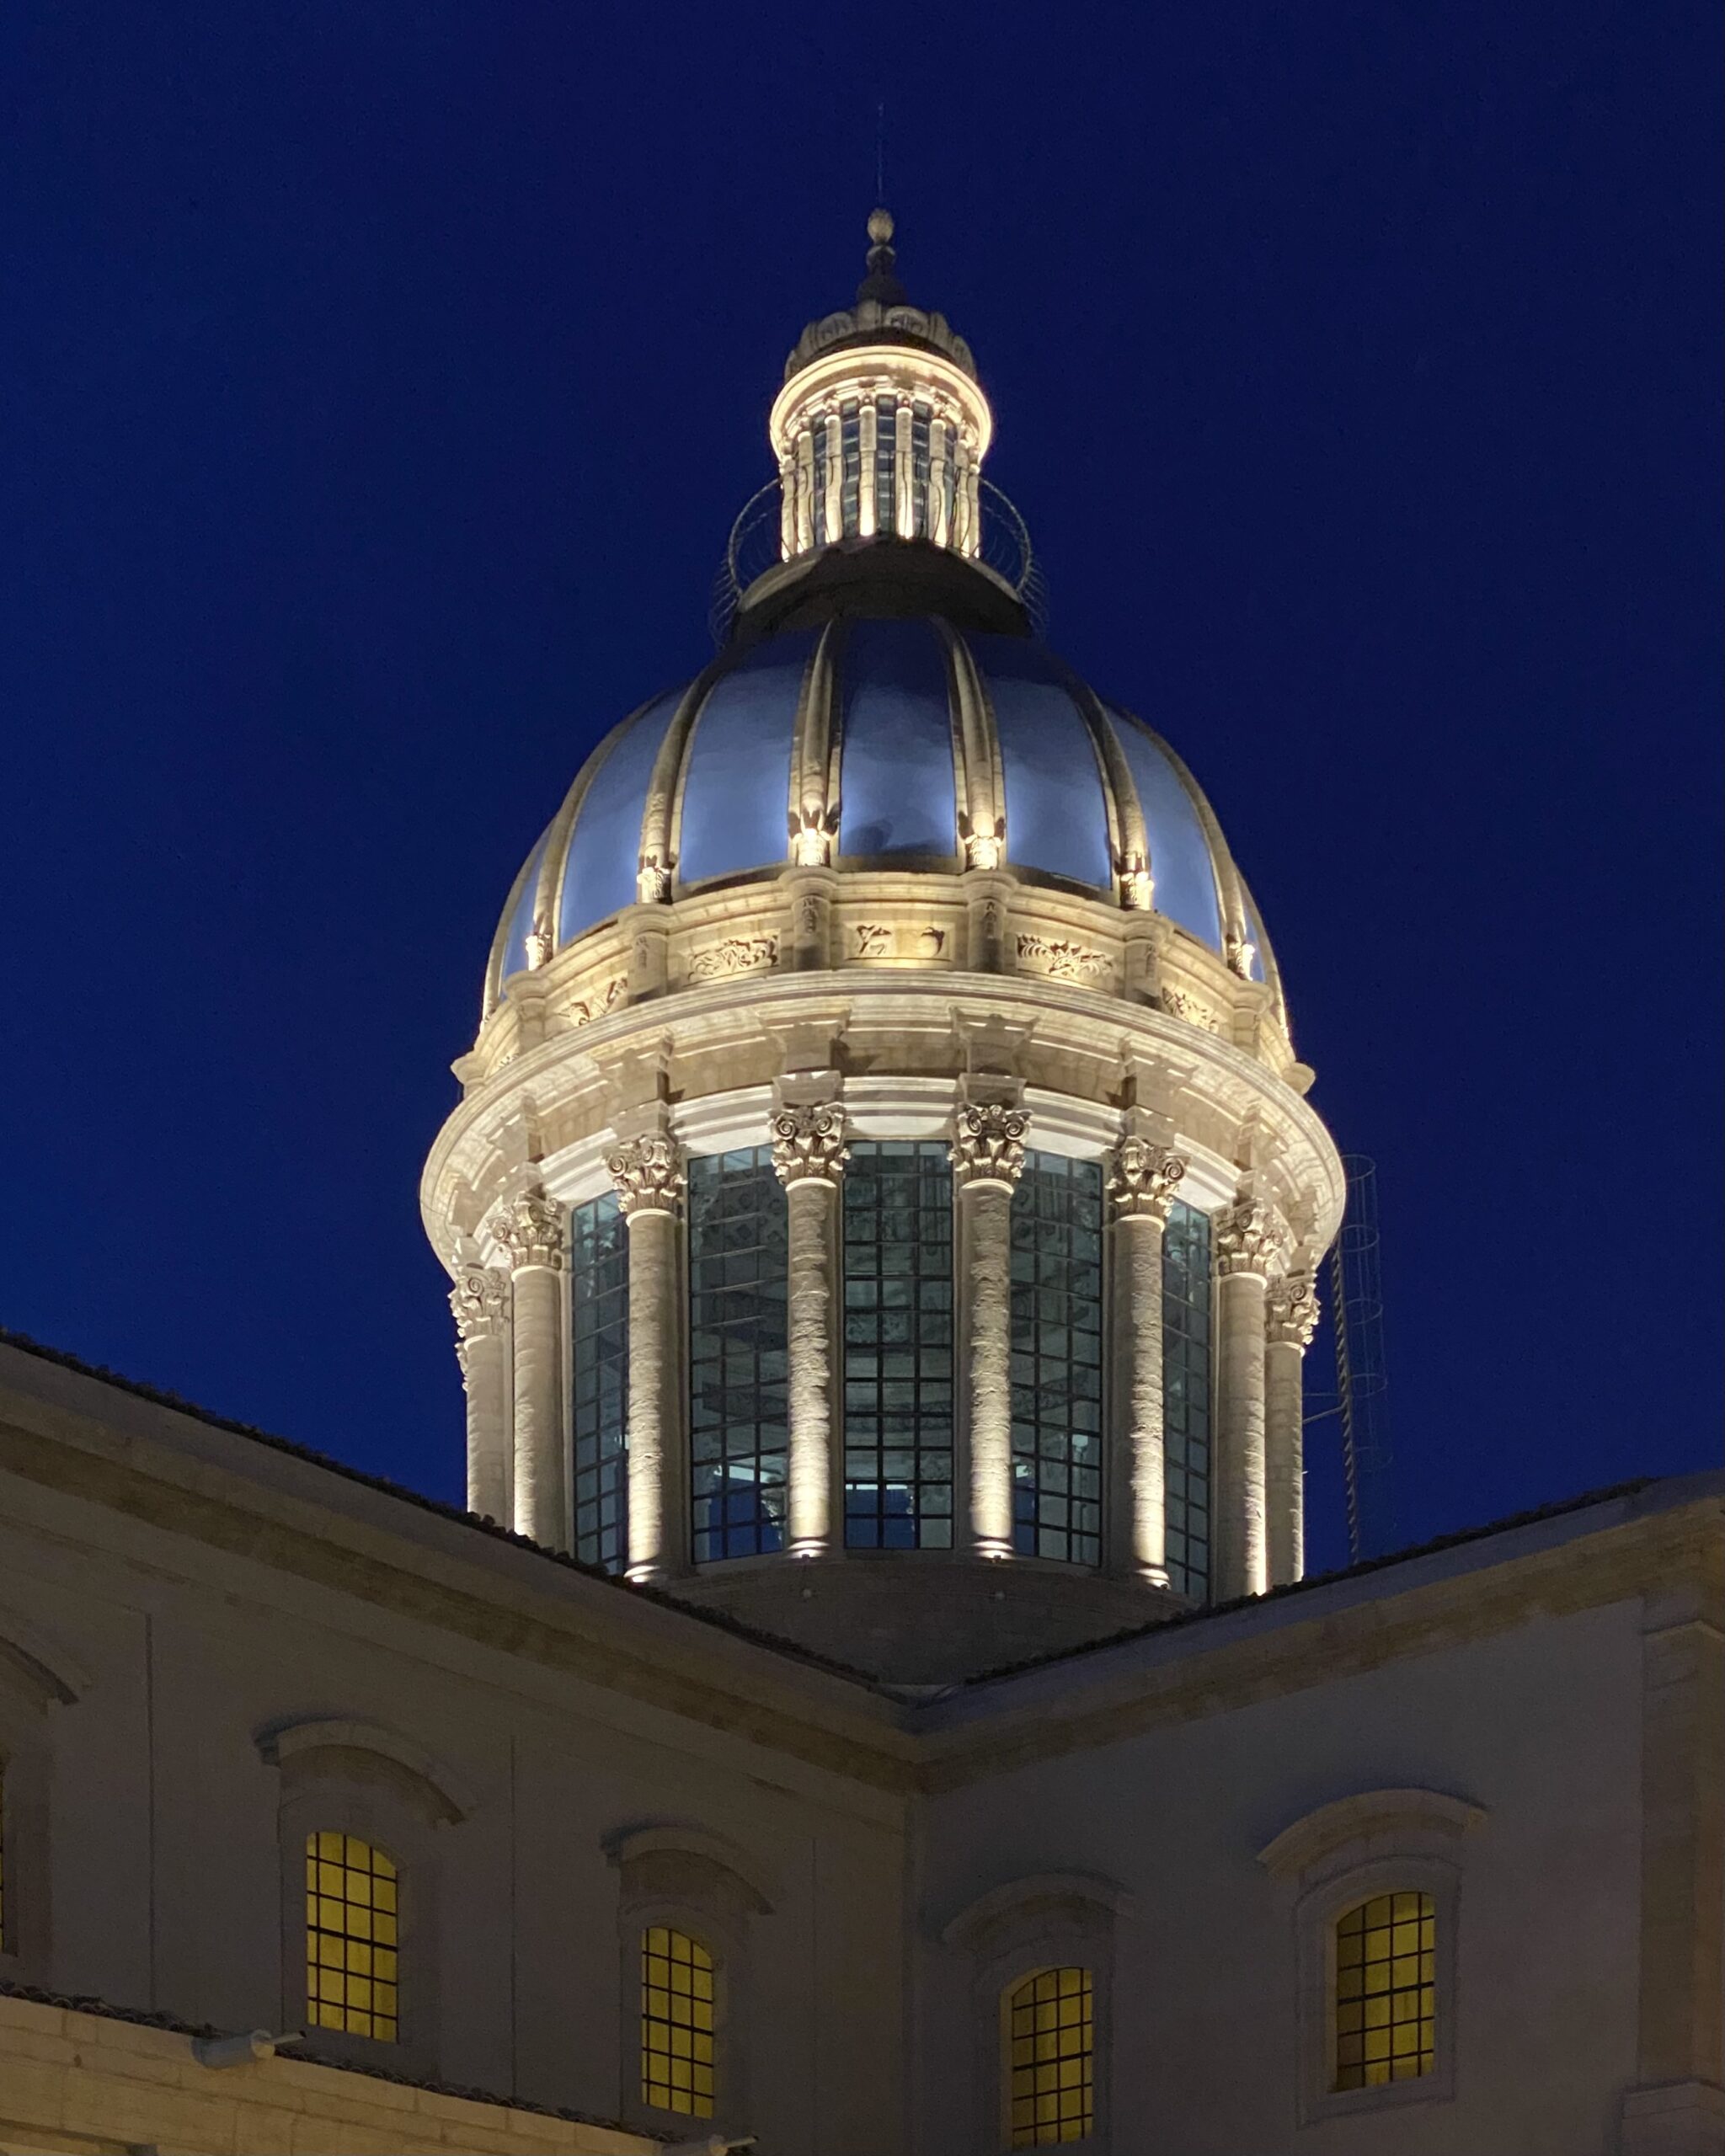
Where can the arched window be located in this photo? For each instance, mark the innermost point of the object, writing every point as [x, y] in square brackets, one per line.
[1050, 2037]
[677, 2023]
[1386, 1991]
[1057, 1360]
[352, 1937]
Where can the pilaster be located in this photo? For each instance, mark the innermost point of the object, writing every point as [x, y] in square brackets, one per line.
[646, 1171]
[1290, 1320]
[479, 1302]
[1249, 1244]
[529, 1228]
[987, 1149]
[809, 1153]
[1143, 1176]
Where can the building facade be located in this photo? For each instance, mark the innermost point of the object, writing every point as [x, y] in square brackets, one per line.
[872, 1701]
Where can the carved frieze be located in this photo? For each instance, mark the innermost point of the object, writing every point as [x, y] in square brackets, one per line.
[809, 1142]
[736, 954]
[1143, 1177]
[1179, 1005]
[988, 1144]
[883, 939]
[582, 1009]
[1061, 960]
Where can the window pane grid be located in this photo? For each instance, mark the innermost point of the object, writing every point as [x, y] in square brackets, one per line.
[599, 1372]
[677, 2023]
[352, 1921]
[1186, 1396]
[1051, 2058]
[737, 1338]
[1056, 1366]
[898, 1419]
[1386, 1991]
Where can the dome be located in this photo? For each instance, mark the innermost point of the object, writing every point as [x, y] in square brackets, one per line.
[873, 743]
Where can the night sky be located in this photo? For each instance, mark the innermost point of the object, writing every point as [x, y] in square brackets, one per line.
[380, 381]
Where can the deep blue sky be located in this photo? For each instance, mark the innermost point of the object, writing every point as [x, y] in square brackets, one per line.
[377, 384]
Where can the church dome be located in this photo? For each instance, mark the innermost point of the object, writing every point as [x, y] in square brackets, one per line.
[876, 741]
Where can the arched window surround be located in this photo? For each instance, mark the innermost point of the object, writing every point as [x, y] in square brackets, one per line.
[701, 1884]
[1048, 1920]
[38, 1678]
[361, 1778]
[1325, 1864]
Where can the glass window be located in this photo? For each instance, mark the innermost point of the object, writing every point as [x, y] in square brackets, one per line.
[1057, 1360]
[736, 794]
[851, 444]
[605, 846]
[898, 1198]
[520, 920]
[737, 1341]
[1057, 815]
[1051, 2058]
[352, 1920]
[1186, 1396]
[677, 2023]
[599, 1380]
[896, 788]
[1179, 852]
[1386, 1991]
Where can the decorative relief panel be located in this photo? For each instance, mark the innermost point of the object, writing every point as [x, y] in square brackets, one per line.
[1061, 960]
[900, 940]
[736, 954]
[582, 1009]
[1179, 1005]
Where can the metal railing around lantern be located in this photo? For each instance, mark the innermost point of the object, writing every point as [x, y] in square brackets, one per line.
[757, 545]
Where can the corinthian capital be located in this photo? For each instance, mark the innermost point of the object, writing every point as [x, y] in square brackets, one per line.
[648, 1175]
[1293, 1310]
[809, 1142]
[1143, 1177]
[529, 1228]
[1250, 1238]
[479, 1300]
[988, 1144]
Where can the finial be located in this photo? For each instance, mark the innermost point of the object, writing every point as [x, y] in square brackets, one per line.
[881, 283]
[880, 227]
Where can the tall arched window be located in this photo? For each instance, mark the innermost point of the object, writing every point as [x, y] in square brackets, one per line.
[1386, 1991]
[1051, 2035]
[352, 1937]
[677, 2066]
[1057, 1360]
[738, 1322]
[599, 1376]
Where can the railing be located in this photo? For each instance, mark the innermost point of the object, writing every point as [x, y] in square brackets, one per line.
[755, 547]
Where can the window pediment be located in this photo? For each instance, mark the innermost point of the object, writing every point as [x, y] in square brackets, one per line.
[1402, 1821]
[359, 1750]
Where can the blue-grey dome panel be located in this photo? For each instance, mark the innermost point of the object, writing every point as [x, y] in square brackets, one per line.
[520, 920]
[1180, 864]
[605, 845]
[737, 787]
[1057, 817]
[897, 792]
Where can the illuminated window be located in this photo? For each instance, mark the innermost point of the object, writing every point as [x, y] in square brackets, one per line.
[1057, 1360]
[1186, 1396]
[352, 1926]
[1386, 1991]
[599, 1375]
[1051, 2058]
[898, 1202]
[737, 1330]
[677, 2023]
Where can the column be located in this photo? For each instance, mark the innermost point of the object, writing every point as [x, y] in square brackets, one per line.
[530, 1231]
[1290, 1319]
[988, 1158]
[648, 1172]
[809, 1152]
[480, 1302]
[1248, 1244]
[1143, 1177]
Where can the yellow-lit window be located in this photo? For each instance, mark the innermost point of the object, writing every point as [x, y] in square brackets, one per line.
[1386, 1991]
[352, 1935]
[1051, 2058]
[677, 2023]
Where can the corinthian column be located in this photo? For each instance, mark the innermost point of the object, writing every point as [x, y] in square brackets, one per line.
[649, 1176]
[480, 1301]
[988, 1158]
[1143, 1177]
[1289, 1322]
[1248, 1244]
[809, 1152]
[530, 1230]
